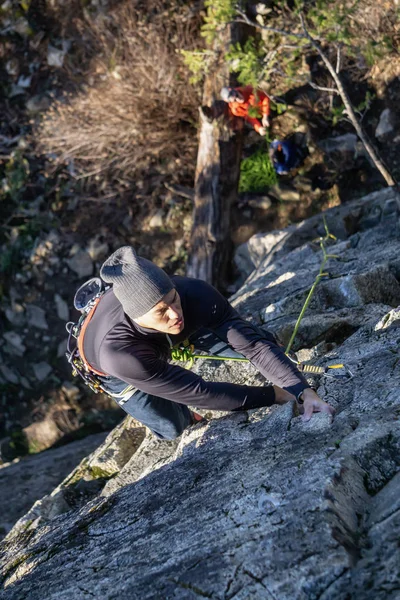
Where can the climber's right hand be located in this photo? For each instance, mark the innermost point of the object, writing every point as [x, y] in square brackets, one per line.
[265, 121]
[312, 403]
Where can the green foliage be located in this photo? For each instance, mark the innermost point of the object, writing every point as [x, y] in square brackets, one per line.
[337, 114]
[330, 20]
[290, 69]
[257, 172]
[255, 112]
[247, 61]
[13, 253]
[14, 179]
[198, 63]
[18, 444]
[219, 13]
[16, 176]
[366, 103]
[373, 51]
[279, 107]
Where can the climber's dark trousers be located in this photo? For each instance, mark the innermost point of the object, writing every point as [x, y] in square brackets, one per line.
[167, 419]
[164, 418]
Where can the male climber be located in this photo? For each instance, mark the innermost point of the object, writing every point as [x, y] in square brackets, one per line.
[128, 338]
[252, 105]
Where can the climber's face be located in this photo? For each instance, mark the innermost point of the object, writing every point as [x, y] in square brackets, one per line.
[166, 316]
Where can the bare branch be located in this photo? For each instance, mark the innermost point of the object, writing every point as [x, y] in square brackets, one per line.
[245, 19]
[322, 89]
[349, 108]
[9, 141]
[338, 57]
[180, 190]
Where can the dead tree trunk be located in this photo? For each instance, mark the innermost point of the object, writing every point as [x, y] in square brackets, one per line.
[217, 175]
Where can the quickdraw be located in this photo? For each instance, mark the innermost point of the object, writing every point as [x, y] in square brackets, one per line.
[340, 370]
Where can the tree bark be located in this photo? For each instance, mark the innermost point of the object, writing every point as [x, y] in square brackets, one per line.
[217, 174]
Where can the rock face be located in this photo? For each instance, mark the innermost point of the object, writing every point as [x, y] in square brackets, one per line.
[260, 504]
[85, 481]
[20, 476]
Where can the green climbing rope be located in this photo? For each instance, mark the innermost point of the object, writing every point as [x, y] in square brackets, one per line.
[186, 353]
[321, 273]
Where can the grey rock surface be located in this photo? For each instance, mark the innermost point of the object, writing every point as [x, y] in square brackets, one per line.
[41, 370]
[344, 220]
[61, 348]
[61, 307]
[38, 104]
[55, 56]
[36, 317]
[386, 124]
[259, 504]
[284, 193]
[347, 143]
[9, 375]
[157, 220]
[81, 263]
[97, 249]
[20, 476]
[15, 317]
[15, 342]
[151, 455]
[87, 479]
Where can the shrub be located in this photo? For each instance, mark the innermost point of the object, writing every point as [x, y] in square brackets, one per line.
[137, 109]
[248, 61]
[219, 13]
[257, 172]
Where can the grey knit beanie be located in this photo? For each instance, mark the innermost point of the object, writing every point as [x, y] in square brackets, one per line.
[137, 283]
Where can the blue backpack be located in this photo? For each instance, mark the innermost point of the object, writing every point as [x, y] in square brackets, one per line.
[285, 156]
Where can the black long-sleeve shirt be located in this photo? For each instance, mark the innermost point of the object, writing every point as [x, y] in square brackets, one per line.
[116, 345]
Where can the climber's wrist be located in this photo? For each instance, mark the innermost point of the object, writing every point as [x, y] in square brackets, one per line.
[301, 396]
[307, 394]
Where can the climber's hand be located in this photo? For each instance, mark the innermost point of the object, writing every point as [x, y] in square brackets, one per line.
[262, 131]
[313, 403]
[265, 121]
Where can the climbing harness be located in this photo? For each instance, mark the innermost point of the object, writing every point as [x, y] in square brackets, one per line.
[86, 301]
